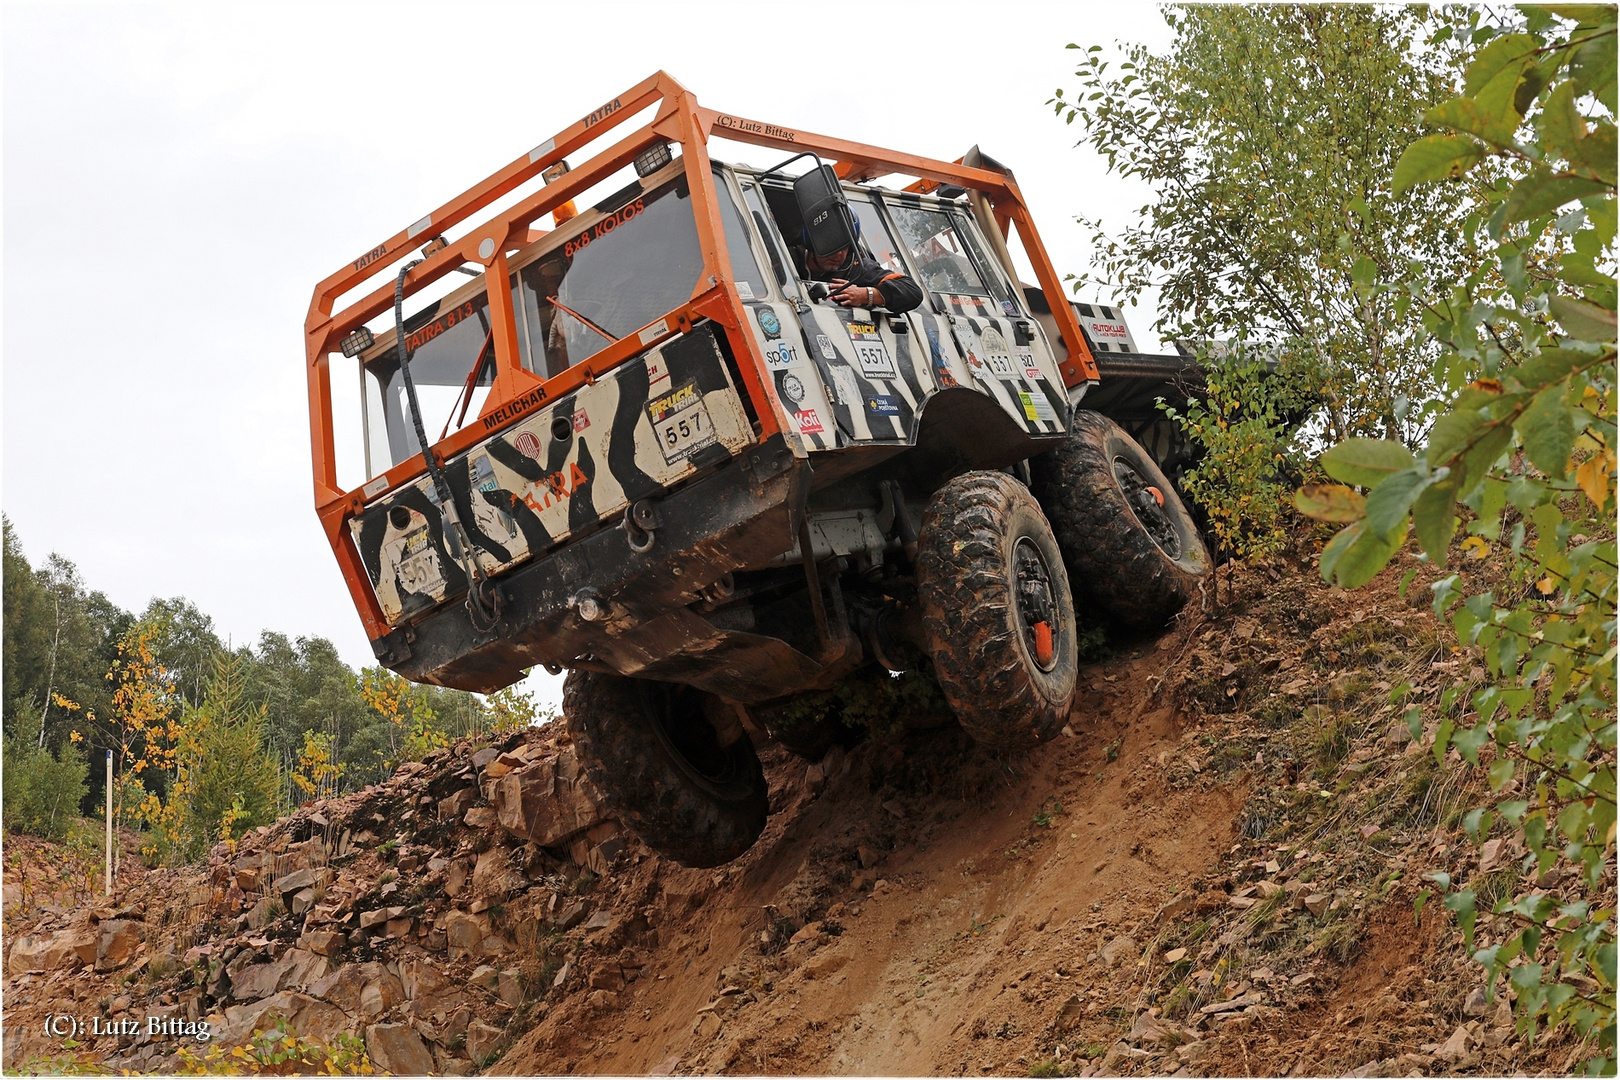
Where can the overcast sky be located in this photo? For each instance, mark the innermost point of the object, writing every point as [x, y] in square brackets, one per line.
[178, 177]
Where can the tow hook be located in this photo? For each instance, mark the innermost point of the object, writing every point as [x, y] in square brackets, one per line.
[640, 522]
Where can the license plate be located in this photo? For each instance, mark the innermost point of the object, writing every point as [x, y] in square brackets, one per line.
[681, 423]
[870, 354]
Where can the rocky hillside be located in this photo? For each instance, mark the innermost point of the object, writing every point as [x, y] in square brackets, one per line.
[1211, 872]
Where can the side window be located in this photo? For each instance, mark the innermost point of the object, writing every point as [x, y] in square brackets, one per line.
[943, 258]
[756, 208]
[745, 269]
[875, 235]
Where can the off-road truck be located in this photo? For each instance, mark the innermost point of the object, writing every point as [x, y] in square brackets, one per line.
[675, 467]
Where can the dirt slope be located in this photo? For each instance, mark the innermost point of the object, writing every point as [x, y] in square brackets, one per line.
[1210, 872]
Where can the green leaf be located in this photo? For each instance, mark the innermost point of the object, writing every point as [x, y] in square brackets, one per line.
[1434, 518]
[1461, 904]
[1436, 157]
[1365, 462]
[1356, 555]
[1560, 125]
[1593, 69]
[1330, 502]
[1388, 503]
[1417, 904]
[1510, 52]
[1548, 431]
[1469, 740]
[1542, 193]
[1449, 434]
[1552, 365]
[1583, 320]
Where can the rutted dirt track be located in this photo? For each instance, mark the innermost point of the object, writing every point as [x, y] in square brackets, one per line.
[954, 934]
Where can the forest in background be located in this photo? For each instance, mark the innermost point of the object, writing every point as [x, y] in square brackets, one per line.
[208, 738]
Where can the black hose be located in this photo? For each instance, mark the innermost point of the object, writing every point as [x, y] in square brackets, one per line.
[456, 535]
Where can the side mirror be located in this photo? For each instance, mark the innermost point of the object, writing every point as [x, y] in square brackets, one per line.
[826, 214]
[818, 291]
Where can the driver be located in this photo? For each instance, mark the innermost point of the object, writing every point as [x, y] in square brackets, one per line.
[858, 280]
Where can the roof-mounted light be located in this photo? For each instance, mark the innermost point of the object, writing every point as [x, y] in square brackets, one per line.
[652, 159]
[357, 341]
[435, 245]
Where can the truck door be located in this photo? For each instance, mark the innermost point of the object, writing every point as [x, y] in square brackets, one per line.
[978, 314]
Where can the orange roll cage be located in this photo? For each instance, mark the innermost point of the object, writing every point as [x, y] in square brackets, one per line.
[681, 120]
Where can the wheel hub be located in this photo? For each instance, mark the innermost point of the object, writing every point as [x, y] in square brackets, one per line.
[1148, 503]
[1036, 612]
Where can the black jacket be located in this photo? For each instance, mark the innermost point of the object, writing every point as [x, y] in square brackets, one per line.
[900, 293]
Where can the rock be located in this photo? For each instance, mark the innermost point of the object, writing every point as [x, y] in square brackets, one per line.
[322, 942]
[116, 945]
[483, 757]
[398, 928]
[380, 995]
[259, 914]
[1241, 1002]
[572, 915]
[456, 883]
[1120, 950]
[368, 919]
[807, 932]
[815, 778]
[483, 1043]
[247, 880]
[459, 803]
[1477, 1005]
[429, 990]
[302, 901]
[1072, 1011]
[483, 976]
[562, 976]
[1456, 1047]
[606, 979]
[536, 803]
[1193, 1053]
[602, 1000]
[1317, 903]
[1148, 1029]
[309, 1016]
[293, 882]
[708, 1025]
[465, 934]
[509, 986]
[480, 817]
[1268, 889]
[398, 1049]
[867, 857]
[491, 875]
[342, 987]
[36, 952]
[1175, 908]
[600, 920]
[296, 970]
[1175, 956]
[600, 859]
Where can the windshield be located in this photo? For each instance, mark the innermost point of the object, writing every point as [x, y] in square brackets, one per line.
[632, 265]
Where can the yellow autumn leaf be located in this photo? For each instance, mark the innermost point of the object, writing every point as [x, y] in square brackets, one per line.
[1476, 547]
[74, 736]
[1546, 586]
[1593, 477]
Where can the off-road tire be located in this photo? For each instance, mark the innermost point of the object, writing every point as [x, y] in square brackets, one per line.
[978, 637]
[1113, 558]
[661, 769]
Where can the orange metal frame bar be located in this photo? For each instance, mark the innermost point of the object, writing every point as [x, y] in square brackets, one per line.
[678, 119]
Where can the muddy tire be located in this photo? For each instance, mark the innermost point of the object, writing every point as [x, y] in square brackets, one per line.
[989, 573]
[660, 765]
[1137, 560]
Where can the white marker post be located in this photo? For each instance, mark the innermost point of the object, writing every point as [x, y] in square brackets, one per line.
[108, 889]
